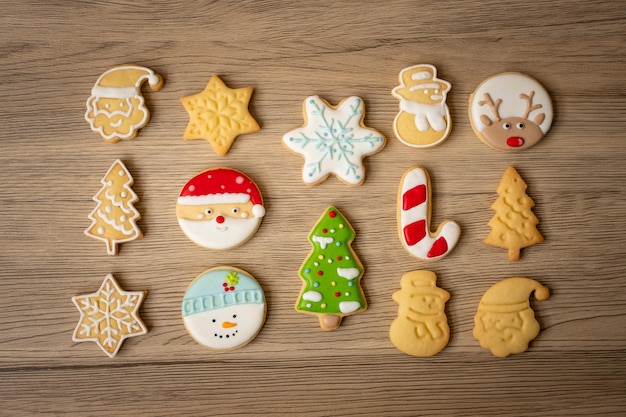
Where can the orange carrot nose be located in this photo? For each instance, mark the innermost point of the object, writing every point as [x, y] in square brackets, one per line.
[228, 325]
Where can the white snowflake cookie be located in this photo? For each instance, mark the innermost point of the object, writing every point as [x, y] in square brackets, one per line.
[224, 308]
[108, 316]
[334, 140]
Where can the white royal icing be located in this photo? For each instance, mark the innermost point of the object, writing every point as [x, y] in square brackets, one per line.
[323, 240]
[314, 296]
[348, 273]
[333, 141]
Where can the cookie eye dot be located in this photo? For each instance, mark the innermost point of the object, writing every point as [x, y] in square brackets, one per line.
[506, 126]
[234, 316]
[235, 210]
[208, 212]
[520, 125]
[213, 320]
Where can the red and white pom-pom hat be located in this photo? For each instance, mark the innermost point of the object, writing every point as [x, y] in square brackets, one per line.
[222, 186]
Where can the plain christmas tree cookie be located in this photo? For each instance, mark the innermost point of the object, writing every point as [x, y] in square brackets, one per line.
[331, 273]
[220, 208]
[224, 308]
[421, 327]
[116, 108]
[333, 140]
[109, 316]
[114, 219]
[510, 111]
[424, 118]
[514, 226]
[505, 323]
[219, 114]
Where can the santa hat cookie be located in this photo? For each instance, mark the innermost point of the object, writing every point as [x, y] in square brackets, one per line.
[220, 208]
[505, 323]
[116, 109]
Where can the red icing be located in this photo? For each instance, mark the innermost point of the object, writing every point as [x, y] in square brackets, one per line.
[338, 258]
[440, 247]
[414, 197]
[324, 230]
[219, 181]
[320, 273]
[224, 284]
[332, 214]
[232, 288]
[337, 294]
[219, 219]
[515, 141]
[414, 232]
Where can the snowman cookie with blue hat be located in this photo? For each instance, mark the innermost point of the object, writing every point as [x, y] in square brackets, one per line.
[224, 308]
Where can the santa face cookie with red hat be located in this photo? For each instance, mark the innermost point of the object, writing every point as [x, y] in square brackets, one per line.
[116, 109]
[220, 208]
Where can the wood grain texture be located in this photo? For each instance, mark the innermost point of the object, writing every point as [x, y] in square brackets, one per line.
[51, 53]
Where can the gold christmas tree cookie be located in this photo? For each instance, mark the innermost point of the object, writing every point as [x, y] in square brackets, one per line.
[514, 226]
[108, 316]
[113, 220]
[219, 114]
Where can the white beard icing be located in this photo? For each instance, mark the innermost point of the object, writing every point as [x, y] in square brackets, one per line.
[249, 320]
[212, 235]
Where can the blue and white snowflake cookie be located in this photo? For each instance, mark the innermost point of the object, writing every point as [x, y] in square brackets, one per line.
[334, 140]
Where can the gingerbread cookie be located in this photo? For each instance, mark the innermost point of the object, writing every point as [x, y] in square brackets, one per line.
[220, 208]
[116, 109]
[333, 140]
[219, 114]
[224, 308]
[414, 209]
[331, 273]
[424, 117]
[109, 316]
[421, 328]
[505, 323]
[510, 111]
[114, 217]
[514, 226]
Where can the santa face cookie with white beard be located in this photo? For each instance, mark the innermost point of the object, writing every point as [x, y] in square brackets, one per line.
[220, 208]
[224, 308]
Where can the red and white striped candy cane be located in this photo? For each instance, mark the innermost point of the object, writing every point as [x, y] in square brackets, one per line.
[414, 219]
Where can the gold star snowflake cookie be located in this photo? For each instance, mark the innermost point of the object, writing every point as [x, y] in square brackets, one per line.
[108, 316]
[219, 114]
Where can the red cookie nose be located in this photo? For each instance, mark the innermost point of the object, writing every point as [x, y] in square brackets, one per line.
[515, 141]
[219, 219]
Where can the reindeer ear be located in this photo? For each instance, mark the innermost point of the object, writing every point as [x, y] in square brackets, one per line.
[486, 120]
[539, 119]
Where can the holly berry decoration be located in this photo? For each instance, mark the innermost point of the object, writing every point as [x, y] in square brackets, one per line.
[331, 273]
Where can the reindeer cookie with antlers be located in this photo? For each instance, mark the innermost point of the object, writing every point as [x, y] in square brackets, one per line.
[510, 111]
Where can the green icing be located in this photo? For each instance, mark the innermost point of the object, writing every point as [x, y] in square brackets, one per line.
[338, 285]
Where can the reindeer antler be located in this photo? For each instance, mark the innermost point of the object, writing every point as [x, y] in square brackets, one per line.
[493, 106]
[529, 101]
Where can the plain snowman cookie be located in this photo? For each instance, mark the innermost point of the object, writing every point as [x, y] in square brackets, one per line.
[510, 111]
[505, 323]
[421, 328]
[220, 208]
[116, 109]
[224, 308]
[424, 118]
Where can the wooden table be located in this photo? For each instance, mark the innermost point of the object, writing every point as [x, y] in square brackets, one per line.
[51, 164]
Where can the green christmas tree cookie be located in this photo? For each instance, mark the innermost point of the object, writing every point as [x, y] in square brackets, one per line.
[331, 273]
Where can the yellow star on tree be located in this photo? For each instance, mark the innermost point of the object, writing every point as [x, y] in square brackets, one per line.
[219, 114]
[108, 316]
